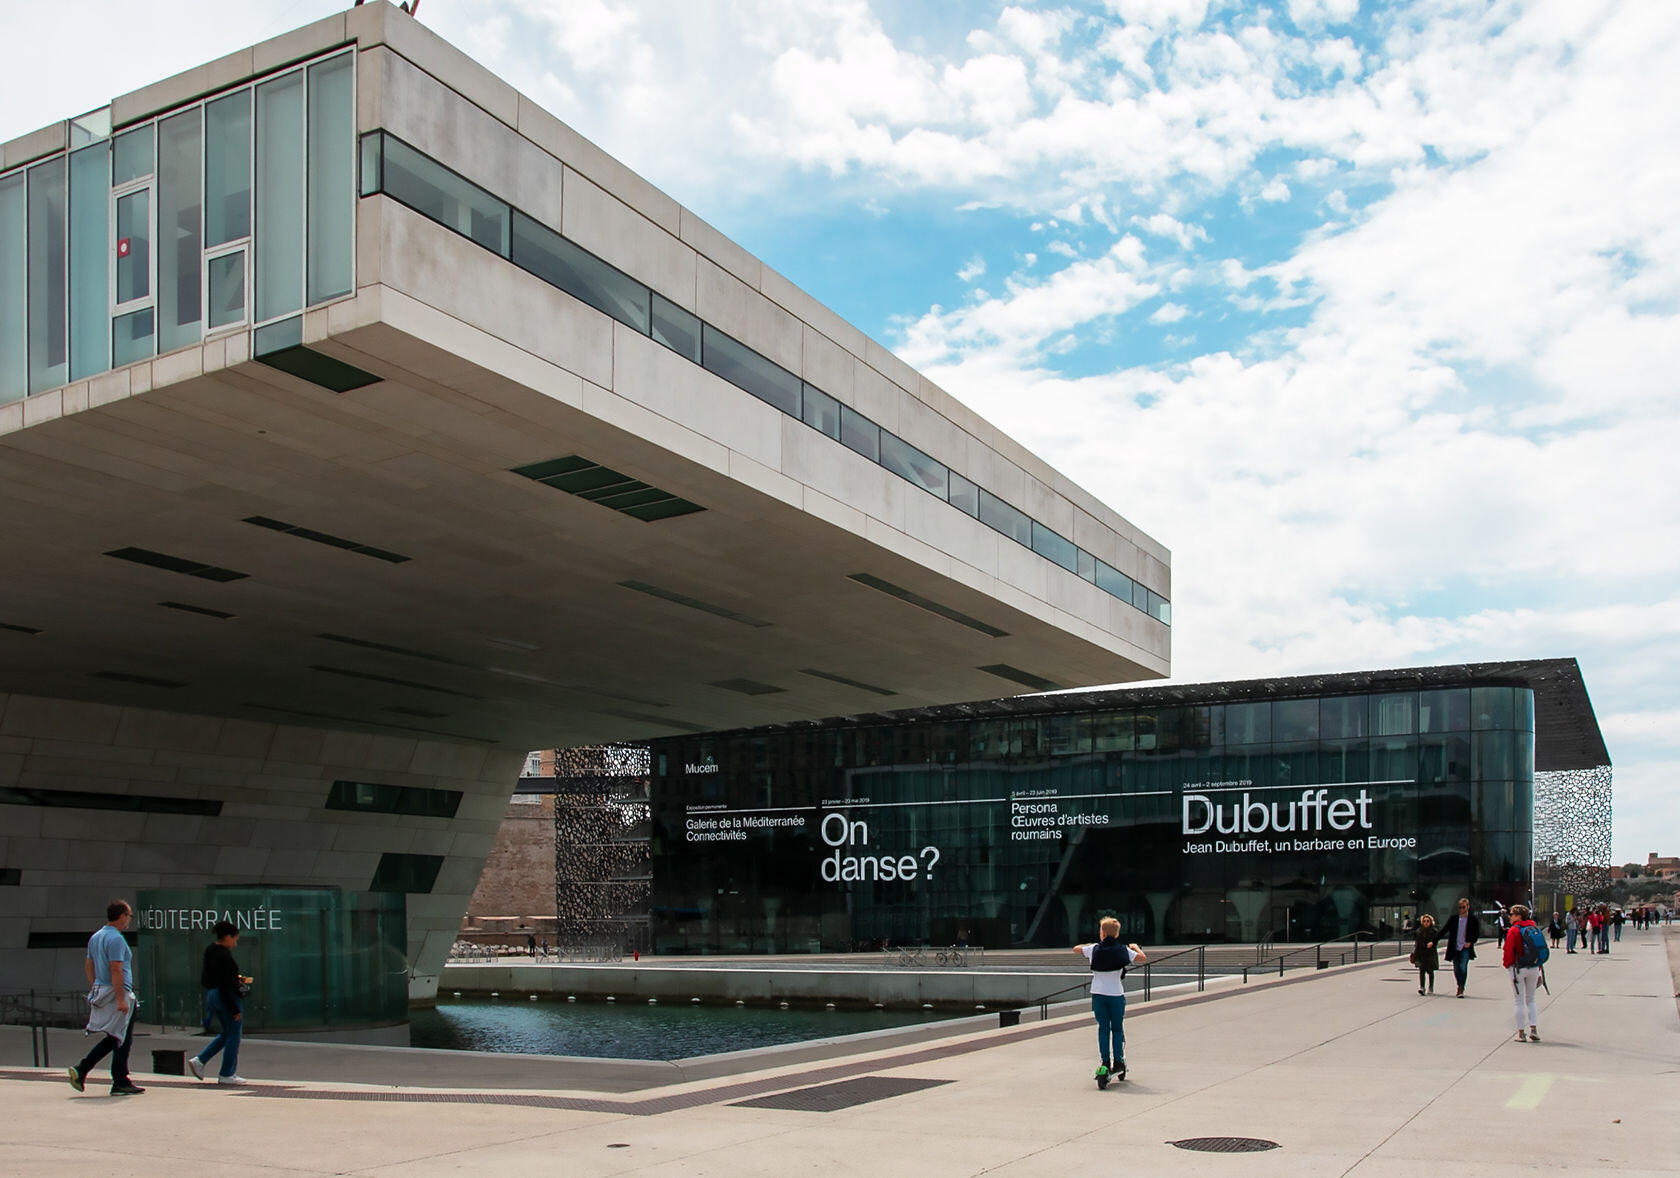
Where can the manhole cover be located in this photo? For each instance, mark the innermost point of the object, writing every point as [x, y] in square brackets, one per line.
[1225, 1144]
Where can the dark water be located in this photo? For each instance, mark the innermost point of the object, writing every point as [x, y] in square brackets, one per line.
[635, 1031]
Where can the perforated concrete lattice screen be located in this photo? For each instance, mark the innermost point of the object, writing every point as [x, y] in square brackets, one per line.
[1572, 810]
[601, 868]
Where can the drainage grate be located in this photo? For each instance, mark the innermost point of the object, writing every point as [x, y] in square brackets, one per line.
[828, 1098]
[1225, 1144]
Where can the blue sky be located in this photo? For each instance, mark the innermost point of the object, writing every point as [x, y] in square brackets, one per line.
[1370, 311]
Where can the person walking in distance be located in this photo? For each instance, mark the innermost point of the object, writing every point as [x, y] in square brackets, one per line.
[1424, 954]
[1462, 932]
[1108, 958]
[1525, 955]
[109, 966]
[222, 983]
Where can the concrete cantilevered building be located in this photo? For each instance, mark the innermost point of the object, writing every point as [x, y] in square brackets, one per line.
[362, 426]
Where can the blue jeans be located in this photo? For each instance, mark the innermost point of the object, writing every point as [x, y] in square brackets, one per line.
[228, 1041]
[1110, 1010]
[1461, 968]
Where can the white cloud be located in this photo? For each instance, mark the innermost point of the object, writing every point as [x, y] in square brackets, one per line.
[1275, 191]
[972, 269]
[1315, 14]
[1168, 313]
[1163, 225]
[1019, 325]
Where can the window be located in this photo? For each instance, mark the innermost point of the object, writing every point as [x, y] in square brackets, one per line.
[965, 496]
[134, 251]
[49, 359]
[1087, 566]
[279, 192]
[559, 263]
[822, 412]
[227, 169]
[746, 369]
[376, 798]
[1446, 710]
[406, 873]
[14, 330]
[131, 337]
[90, 297]
[76, 799]
[1054, 547]
[911, 464]
[107, 251]
[226, 278]
[676, 328]
[332, 163]
[1391, 715]
[1295, 719]
[180, 187]
[859, 433]
[433, 191]
[1115, 583]
[131, 155]
[997, 514]
[1343, 717]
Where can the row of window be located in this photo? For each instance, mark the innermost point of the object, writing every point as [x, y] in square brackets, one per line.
[1252, 727]
[234, 210]
[393, 168]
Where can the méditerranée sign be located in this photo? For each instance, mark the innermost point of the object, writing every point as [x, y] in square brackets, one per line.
[261, 919]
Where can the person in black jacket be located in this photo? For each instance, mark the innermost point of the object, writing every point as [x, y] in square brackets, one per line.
[221, 980]
[1459, 934]
[1424, 955]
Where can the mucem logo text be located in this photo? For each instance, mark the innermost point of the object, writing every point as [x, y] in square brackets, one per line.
[691, 768]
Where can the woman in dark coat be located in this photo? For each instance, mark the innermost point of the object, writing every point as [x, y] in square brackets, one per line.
[1424, 955]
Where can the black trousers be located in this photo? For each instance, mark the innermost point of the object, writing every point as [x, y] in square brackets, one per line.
[118, 1053]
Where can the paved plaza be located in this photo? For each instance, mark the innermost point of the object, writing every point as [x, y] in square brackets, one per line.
[1348, 1071]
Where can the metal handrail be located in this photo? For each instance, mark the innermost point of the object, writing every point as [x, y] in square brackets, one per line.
[1320, 961]
[41, 1011]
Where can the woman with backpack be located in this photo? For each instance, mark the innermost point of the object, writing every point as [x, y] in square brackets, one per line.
[1525, 953]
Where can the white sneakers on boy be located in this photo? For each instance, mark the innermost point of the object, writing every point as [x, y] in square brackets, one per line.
[197, 1066]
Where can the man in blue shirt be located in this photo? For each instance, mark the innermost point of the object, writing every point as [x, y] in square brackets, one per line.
[111, 1003]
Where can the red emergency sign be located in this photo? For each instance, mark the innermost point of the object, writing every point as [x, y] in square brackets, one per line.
[122, 247]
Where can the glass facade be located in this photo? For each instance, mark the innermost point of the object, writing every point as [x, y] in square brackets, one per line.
[395, 169]
[141, 242]
[1302, 819]
[320, 958]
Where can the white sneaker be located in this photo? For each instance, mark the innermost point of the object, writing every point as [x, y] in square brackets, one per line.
[197, 1066]
[239, 1081]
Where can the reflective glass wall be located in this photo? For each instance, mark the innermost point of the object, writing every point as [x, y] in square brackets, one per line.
[1301, 819]
[320, 958]
[222, 215]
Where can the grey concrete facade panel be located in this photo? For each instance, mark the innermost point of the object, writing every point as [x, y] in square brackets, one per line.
[622, 237]
[184, 87]
[425, 113]
[736, 309]
[719, 250]
[436, 267]
[41, 142]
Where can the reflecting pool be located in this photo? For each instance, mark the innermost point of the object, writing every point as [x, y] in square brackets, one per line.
[627, 1030]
